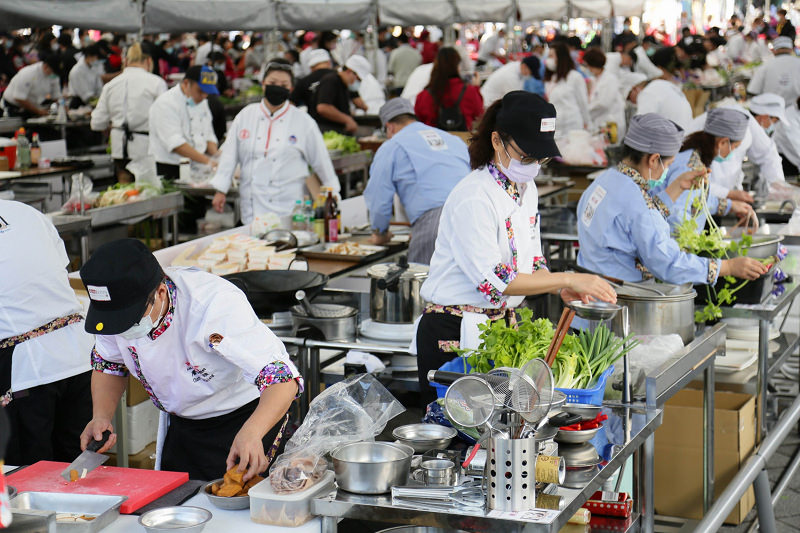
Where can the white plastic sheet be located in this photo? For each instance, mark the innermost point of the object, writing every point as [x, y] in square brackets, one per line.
[208, 15]
[112, 15]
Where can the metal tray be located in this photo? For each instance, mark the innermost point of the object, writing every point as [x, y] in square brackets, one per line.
[104, 508]
[320, 251]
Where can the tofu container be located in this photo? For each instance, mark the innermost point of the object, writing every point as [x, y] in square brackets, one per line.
[287, 510]
[104, 509]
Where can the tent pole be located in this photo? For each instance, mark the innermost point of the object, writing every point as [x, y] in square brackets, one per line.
[371, 41]
[142, 4]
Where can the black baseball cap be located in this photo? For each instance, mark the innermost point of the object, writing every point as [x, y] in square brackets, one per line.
[531, 121]
[119, 277]
[205, 77]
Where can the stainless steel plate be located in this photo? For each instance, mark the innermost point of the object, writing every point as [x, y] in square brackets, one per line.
[186, 519]
[229, 503]
[595, 310]
[575, 437]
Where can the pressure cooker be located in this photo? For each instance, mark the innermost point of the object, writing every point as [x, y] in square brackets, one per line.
[394, 291]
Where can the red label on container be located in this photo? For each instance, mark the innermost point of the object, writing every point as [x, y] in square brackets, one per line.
[333, 230]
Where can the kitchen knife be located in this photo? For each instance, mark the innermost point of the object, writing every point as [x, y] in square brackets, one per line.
[89, 459]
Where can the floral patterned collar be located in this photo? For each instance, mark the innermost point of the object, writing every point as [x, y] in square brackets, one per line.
[509, 186]
[167, 321]
[653, 202]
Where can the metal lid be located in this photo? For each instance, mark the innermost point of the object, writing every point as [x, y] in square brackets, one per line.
[414, 271]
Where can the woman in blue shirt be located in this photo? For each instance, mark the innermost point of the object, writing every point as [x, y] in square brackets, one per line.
[623, 229]
[722, 133]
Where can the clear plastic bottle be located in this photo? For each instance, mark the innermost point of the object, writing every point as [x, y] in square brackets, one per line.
[298, 216]
[308, 211]
[23, 150]
[61, 115]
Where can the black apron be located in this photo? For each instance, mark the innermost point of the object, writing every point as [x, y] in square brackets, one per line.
[201, 447]
[431, 353]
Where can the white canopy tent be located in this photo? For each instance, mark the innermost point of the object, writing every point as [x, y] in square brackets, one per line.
[111, 15]
[260, 15]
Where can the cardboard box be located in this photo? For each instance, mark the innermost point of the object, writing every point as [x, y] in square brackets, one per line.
[145, 459]
[142, 427]
[136, 392]
[679, 452]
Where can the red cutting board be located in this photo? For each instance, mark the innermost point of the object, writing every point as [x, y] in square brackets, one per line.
[140, 486]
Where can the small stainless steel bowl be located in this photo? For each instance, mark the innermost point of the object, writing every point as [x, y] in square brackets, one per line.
[595, 310]
[579, 455]
[231, 503]
[576, 437]
[424, 437]
[585, 410]
[184, 519]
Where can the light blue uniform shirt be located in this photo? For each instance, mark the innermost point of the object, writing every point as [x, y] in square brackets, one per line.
[682, 207]
[421, 164]
[618, 224]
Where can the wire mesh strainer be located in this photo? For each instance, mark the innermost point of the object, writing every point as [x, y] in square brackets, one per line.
[542, 378]
[469, 401]
[514, 389]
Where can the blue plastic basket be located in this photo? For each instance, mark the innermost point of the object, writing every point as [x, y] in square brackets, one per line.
[593, 396]
[456, 365]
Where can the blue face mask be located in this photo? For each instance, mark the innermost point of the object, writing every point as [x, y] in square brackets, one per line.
[655, 183]
[719, 159]
[770, 129]
[190, 101]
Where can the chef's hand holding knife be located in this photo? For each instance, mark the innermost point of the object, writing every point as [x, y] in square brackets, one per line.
[94, 431]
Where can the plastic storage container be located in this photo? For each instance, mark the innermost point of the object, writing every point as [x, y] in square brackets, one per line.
[287, 510]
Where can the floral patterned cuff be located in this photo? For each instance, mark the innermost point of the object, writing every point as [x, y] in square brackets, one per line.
[539, 263]
[724, 207]
[107, 367]
[492, 286]
[277, 372]
[713, 270]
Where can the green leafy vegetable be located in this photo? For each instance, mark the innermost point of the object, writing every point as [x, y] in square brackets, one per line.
[336, 141]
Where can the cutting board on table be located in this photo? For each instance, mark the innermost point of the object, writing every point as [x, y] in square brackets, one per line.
[140, 486]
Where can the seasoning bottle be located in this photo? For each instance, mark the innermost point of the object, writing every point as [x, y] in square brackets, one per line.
[36, 150]
[331, 222]
[23, 150]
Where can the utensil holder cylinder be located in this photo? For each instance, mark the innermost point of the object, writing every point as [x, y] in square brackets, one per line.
[511, 474]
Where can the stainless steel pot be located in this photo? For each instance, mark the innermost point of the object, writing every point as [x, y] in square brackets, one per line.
[394, 291]
[371, 467]
[331, 322]
[658, 315]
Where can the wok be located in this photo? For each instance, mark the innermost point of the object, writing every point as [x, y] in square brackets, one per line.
[273, 291]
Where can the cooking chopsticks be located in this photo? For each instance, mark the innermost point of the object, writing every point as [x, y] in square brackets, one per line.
[558, 336]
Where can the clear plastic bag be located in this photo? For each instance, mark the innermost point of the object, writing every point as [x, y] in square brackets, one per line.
[146, 177]
[353, 410]
[652, 352]
[80, 192]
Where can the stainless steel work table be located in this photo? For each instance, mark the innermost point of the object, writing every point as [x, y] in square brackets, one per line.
[787, 342]
[639, 422]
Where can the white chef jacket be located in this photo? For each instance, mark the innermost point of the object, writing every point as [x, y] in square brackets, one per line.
[571, 100]
[735, 47]
[756, 145]
[502, 81]
[417, 81]
[275, 152]
[787, 135]
[84, 81]
[34, 290]
[372, 93]
[666, 99]
[606, 103]
[31, 83]
[644, 65]
[780, 76]
[173, 122]
[489, 45]
[474, 258]
[128, 97]
[178, 366]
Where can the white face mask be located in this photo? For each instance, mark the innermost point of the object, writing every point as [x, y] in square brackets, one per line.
[143, 327]
[517, 172]
[550, 63]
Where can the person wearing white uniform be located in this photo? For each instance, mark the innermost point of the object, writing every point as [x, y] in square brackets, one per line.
[606, 104]
[780, 76]
[275, 144]
[181, 124]
[622, 227]
[663, 98]
[490, 47]
[488, 254]
[566, 90]
[727, 175]
[124, 106]
[44, 364]
[643, 63]
[31, 87]
[84, 78]
[501, 82]
[197, 347]
[421, 76]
